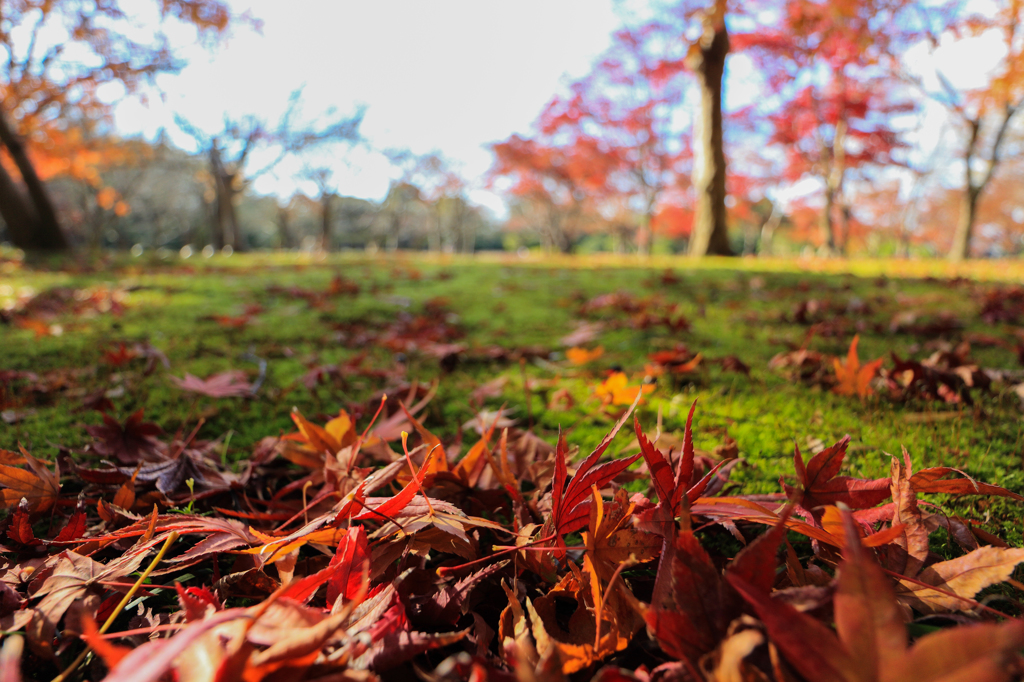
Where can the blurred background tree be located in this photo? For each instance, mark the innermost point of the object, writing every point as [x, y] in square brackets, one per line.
[769, 127]
[58, 56]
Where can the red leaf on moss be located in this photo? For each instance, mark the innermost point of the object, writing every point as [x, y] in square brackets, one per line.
[570, 508]
[74, 528]
[822, 486]
[129, 443]
[934, 480]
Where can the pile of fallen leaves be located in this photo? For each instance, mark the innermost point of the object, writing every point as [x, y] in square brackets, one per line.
[39, 312]
[345, 554]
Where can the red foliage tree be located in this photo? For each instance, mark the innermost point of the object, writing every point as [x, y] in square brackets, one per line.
[563, 179]
[630, 101]
[836, 109]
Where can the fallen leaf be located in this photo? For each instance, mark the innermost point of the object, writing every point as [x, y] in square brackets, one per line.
[692, 605]
[39, 486]
[870, 642]
[822, 486]
[230, 384]
[582, 356]
[910, 549]
[964, 576]
[570, 501]
[854, 378]
[615, 390]
[130, 442]
[20, 528]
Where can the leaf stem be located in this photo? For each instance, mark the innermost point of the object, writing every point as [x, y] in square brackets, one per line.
[445, 571]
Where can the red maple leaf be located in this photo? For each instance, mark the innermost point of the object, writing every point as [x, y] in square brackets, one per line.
[822, 486]
[129, 443]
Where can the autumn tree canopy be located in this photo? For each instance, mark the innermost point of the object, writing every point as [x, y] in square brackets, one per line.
[630, 101]
[829, 108]
[836, 108]
[60, 60]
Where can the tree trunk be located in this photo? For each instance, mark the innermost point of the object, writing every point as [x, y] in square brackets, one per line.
[96, 227]
[226, 221]
[973, 188]
[826, 223]
[833, 194]
[620, 239]
[902, 244]
[434, 236]
[30, 216]
[190, 236]
[750, 233]
[158, 231]
[643, 232]
[961, 248]
[212, 211]
[557, 236]
[222, 233]
[237, 243]
[394, 227]
[707, 59]
[765, 244]
[227, 216]
[546, 245]
[284, 232]
[326, 220]
[547, 235]
[16, 211]
[468, 231]
[845, 216]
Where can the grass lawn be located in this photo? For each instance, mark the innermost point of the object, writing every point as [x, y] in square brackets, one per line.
[320, 335]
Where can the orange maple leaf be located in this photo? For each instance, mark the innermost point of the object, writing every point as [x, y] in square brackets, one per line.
[37, 484]
[581, 356]
[854, 378]
[313, 443]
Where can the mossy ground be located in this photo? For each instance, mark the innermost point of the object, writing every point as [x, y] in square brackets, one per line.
[735, 307]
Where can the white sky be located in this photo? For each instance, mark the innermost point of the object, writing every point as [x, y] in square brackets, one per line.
[448, 75]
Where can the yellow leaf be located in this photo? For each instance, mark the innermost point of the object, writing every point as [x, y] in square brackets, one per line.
[615, 390]
[340, 428]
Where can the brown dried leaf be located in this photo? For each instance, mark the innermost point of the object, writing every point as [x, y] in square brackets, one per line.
[964, 576]
[911, 546]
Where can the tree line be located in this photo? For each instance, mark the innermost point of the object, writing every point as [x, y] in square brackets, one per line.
[156, 195]
[825, 150]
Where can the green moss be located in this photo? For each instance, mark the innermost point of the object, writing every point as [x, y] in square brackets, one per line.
[736, 307]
